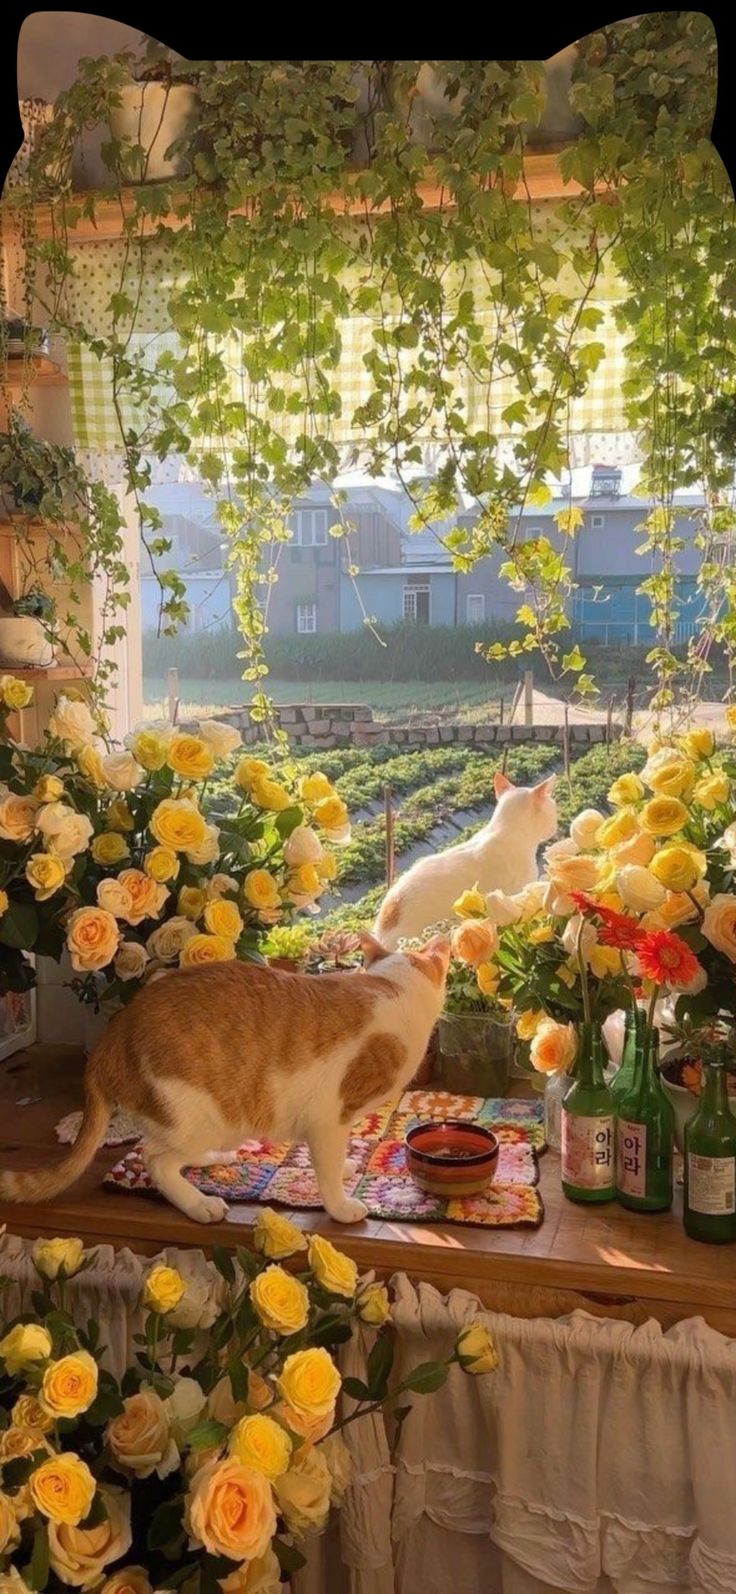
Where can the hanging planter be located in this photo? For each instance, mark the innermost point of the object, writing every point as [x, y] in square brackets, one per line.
[153, 115]
[24, 643]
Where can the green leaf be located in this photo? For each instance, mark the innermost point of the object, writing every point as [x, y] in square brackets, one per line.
[19, 926]
[97, 1512]
[206, 1435]
[238, 1372]
[288, 820]
[427, 1377]
[224, 1263]
[380, 1363]
[165, 1524]
[290, 1559]
[356, 1389]
[40, 1566]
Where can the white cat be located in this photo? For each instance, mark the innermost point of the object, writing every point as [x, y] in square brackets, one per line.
[502, 856]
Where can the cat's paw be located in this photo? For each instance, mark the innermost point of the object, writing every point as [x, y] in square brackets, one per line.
[350, 1210]
[218, 1159]
[351, 1167]
[210, 1209]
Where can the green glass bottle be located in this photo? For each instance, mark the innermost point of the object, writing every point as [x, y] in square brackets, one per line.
[710, 1162]
[623, 1079]
[645, 1133]
[588, 1126]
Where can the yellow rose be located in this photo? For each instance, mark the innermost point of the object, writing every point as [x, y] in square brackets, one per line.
[626, 790]
[222, 918]
[51, 1256]
[639, 888]
[541, 935]
[178, 824]
[603, 960]
[24, 1345]
[162, 1289]
[669, 776]
[201, 949]
[304, 883]
[261, 1444]
[190, 757]
[17, 817]
[679, 908]
[554, 1047]
[250, 770]
[579, 873]
[678, 866]
[260, 890]
[28, 1414]
[332, 816]
[731, 716]
[161, 864]
[639, 849]
[719, 924]
[373, 1305]
[129, 1580]
[191, 902]
[269, 794]
[4, 902]
[45, 874]
[309, 1382]
[9, 1525]
[69, 1385]
[328, 867]
[470, 904]
[49, 789]
[280, 1301]
[712, 791]
[699, 743]
[149, 750]
[474, 942]
[118, 816]
[313, 788]
[230, 1510]
[303, 1493]
[476, 1350]
[527, 1024]
[275, 1236]
[15, 694]
[336, 1272]
[262, 1576]
[79, 1556]
[664, 816]
[92, 939]
[140, 1440]
[621, 827]
[63, 1489]
[146, 895]
[109, 848]
[487, 976]
[90, 765]
[309, 1429]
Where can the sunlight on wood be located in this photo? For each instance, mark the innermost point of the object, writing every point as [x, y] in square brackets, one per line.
[616, 1258]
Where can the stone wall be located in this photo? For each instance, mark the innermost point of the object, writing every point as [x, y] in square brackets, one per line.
[315, 725]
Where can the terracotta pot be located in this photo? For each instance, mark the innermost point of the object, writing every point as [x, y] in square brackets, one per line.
[287, 965]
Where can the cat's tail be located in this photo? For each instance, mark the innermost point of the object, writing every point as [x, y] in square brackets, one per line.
[43, 1184]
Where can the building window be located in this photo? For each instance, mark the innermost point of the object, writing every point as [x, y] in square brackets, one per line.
[306, 618]
[597, 522]
[475, 608]
[309, 528]
[416, 603]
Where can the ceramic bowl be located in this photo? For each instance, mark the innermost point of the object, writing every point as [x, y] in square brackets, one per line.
[451, 1158]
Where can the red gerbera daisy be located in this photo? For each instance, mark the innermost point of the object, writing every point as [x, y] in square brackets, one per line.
[666, 959]
[583, 902]
[616, 929]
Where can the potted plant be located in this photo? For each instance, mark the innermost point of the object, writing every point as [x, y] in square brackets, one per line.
[36, 477]
[288, 946]
[24, 642]
[681, 1068]
[151, 115]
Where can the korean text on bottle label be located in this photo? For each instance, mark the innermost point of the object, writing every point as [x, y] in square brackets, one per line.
[587, 1151]
[631, 1158]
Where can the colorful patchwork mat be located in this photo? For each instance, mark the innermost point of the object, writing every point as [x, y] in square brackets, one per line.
[282, 1175]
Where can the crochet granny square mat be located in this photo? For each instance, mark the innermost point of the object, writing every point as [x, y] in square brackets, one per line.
[281, 1175]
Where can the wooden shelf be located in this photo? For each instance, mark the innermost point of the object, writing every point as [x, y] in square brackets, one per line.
[39, 371]
[542, 180]
[50, 672]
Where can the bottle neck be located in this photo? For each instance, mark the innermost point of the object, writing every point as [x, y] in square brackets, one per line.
[589, 1069]
[715, 1096]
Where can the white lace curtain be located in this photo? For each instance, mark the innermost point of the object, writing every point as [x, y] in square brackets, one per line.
[599, 1459]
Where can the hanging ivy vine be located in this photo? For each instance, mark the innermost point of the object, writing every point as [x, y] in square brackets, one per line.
[302, 206]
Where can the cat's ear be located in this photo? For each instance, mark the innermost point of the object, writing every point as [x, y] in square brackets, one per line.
[371, 948]
[501, 783]
[545, 788]
[437, 953]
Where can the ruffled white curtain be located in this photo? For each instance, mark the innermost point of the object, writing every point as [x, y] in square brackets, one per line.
[599, 1459]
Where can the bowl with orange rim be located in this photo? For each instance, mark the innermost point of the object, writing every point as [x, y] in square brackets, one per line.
[451, 1158]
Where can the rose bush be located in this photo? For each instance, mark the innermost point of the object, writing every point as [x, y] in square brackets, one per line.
[221, 1448]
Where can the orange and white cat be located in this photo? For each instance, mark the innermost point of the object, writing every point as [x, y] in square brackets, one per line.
[502, 856]
[219, 1055]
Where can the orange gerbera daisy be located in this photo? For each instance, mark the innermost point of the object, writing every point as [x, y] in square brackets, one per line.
[666, 959]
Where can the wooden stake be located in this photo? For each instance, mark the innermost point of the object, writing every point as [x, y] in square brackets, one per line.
[630, 690]
[172, 690]
[528, 697]
[515, 701]
[566, 744]
[609, 722]
[390, 855]
[500, 710]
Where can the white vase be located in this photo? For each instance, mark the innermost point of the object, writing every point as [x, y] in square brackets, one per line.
[24, 643]
[154, 115]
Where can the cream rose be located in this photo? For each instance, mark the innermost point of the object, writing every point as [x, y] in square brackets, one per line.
[262, 1576]
[719, 924]
[585, 827]
[303, 1493]
[50, 1256]
[222, 739]
[502, 910]
[340, 1464]
[131, 960]
[553, 1047]
[122, 771]
[201, 1301]
[72, 723]
[167, 942]
[92, 939]
[638, 889]
[129, 1580]
[184, 1407]
[65, 832]
[17, 816]
[115, 898]
[638, 849]
[79, 1556]
[302, 846]
[140, 1439]
[230, 1511]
